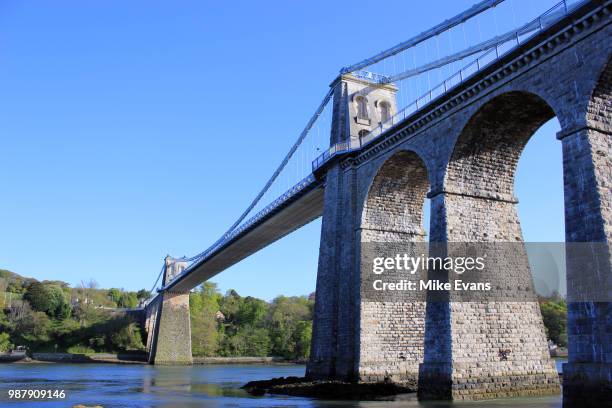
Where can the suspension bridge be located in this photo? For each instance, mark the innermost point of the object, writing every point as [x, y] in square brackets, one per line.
[297, 171]
[497, 56]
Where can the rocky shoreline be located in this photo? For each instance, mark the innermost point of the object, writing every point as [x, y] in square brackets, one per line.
[332, 390]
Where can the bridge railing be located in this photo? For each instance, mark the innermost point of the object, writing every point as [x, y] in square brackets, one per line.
[522, 34]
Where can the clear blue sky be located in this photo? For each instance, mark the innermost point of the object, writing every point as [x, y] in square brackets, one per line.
[129, 130]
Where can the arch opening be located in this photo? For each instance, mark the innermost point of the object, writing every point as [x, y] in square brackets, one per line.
[487, 152]
[385, 111]
[394, 205]
[392, 324]
[362, 107]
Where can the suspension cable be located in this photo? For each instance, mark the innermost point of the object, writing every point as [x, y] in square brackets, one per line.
[444, 26]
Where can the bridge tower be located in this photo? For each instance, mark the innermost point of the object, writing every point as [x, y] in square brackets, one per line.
[355, 338]
[170, 321]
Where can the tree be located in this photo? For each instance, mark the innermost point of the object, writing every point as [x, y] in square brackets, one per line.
[285, 316]
[114, 294]
[303, 336]
[247, 341]
[50, 299]
[28, 326]
[143, 294]
[127, 338]
[205, 334]
[251, 311]
[5, 344]
[554, 315]
[230, 304]
[60, 303]
[128, 300]
[38, 296]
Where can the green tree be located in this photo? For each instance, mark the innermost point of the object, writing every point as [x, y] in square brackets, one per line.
[5, 344]
[128, 300]
[28, 326]
[230, 304]
[127, 338]
[143, 294]
[285, 316]
[554, 315]
[205, 334]
[247, 341]
[251, 311]
[114, 295]
[38, 296]
[60, 303]
[48, 298]
[303, 336]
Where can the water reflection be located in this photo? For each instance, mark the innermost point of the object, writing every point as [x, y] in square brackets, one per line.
[187, 386]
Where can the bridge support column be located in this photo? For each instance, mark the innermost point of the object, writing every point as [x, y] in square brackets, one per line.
[171, 338]
[491, 346]
[587, 156]
[171, 342]
[335, 349]
[333, 340]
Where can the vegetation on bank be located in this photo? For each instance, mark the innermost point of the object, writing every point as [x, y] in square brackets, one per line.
[51, 316]
[230, 325]
[554, 314]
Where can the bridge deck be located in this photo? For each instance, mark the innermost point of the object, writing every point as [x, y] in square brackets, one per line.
[294, 213]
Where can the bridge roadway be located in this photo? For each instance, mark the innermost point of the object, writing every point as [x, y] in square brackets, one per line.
[298, 210]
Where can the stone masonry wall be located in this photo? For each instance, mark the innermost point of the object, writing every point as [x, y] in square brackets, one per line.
[172, 343]
[471, 171]
[587, 176]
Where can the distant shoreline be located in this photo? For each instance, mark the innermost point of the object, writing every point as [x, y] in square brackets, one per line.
[129, 358]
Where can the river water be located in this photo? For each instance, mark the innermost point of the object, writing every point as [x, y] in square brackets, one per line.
[111, 385]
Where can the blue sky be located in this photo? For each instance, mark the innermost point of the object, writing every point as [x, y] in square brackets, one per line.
[129, 130]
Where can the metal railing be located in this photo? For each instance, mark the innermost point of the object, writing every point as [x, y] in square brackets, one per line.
[527, 31]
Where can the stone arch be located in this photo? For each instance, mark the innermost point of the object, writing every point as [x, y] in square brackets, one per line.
[391, 325]
[477, 205]
[393, 207]
[487, 151]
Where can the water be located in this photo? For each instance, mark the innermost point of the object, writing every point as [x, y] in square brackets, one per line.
[111, 385]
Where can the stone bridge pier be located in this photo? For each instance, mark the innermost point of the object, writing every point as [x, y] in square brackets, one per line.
[168, 323]
[462, 152]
